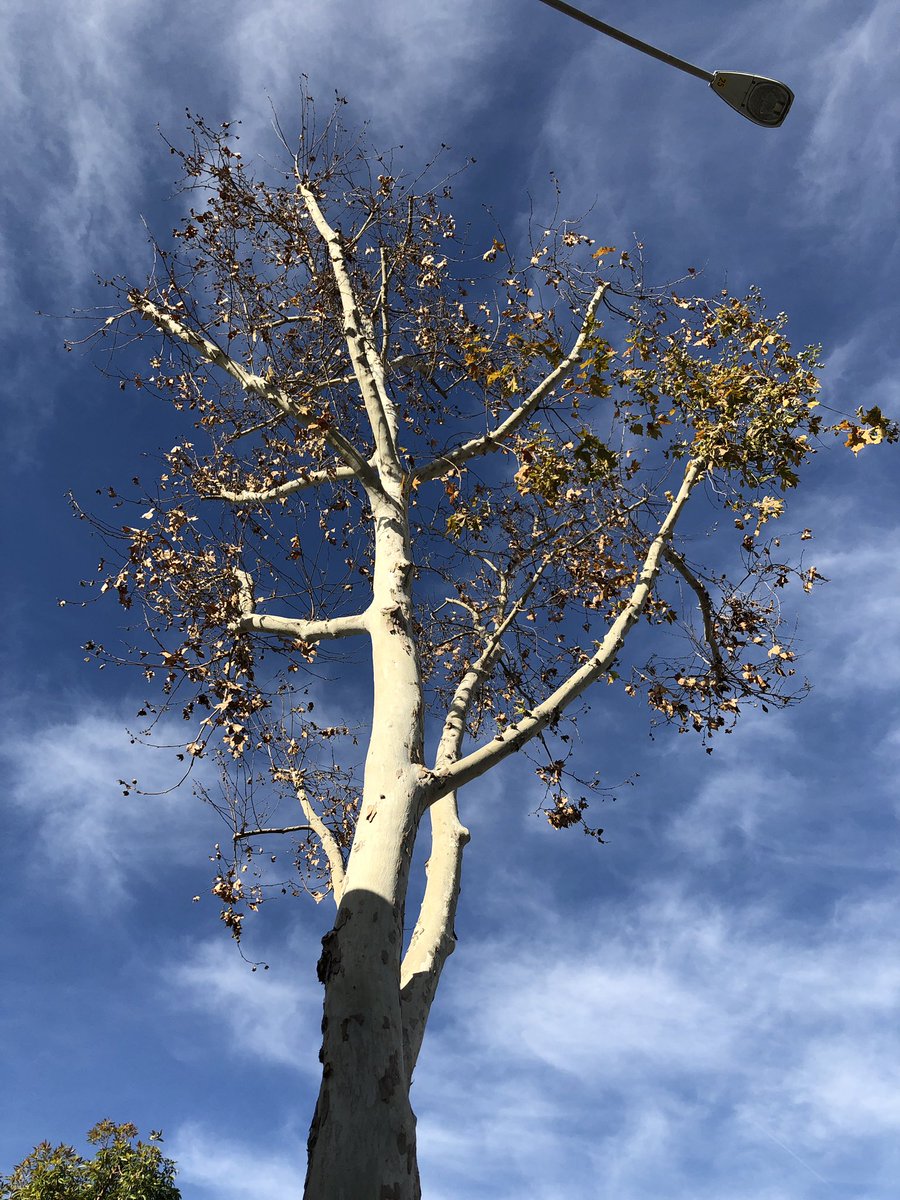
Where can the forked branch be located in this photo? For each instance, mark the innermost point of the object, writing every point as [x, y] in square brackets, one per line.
[433, 938]
[496, 438]
[515, 736]
[252, 383]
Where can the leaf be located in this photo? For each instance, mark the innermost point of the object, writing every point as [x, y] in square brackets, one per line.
[878, 428]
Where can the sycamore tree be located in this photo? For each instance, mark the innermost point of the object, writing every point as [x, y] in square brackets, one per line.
[501, 492]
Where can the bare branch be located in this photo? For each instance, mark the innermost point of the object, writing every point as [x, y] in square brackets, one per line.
[359, 336]
[454, 726]
[280, 491]
[705, 601]
[382, 305]
[433, 939]
[293, 628]
[351, 456]
[250, 382]
[503, 744]
[246, 601]
[496, 438]
[250, 833]
[386, 272]
[328, 841]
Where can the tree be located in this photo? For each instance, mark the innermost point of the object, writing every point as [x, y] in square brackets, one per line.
[124, 1168]
[484, 486]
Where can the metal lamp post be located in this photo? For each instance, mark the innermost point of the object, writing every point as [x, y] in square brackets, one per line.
[763, 101]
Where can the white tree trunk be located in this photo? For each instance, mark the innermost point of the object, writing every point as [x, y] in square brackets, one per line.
[362, 1143]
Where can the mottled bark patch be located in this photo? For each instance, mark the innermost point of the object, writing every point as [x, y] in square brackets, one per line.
[408, 1150]
[345, 1025]
[390, 1080]
[330, 960]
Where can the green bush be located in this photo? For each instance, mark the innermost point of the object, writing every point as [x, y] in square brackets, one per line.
[124, 1168]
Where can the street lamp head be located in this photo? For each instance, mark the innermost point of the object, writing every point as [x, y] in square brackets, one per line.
[762, 101]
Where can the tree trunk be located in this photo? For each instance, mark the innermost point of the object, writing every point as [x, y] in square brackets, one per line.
[362, 1143]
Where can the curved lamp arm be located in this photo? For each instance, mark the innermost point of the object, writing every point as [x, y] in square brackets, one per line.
[761, 100]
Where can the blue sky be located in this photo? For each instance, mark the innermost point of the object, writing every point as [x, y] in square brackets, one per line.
[707, 1007]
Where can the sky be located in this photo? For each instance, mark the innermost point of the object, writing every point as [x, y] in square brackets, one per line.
[706, 1007]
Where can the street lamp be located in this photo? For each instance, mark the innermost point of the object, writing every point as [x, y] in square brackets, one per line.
[764, 101]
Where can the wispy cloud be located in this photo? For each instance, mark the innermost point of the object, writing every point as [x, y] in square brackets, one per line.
[851, 157]
[212, 1165]
[397, 63]
[676, 1028]
[268, 1018]
[65, 797]
[856, 623]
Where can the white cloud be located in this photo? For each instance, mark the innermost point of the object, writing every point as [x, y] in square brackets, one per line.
[736, 807]
[267, 1018]
[63, 787]
[75, 135]
[851, 155]
[397, 63]
[212, 1165]
[676, 1028]
[856, 622]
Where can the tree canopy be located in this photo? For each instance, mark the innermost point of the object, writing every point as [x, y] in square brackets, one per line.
[123, 1168]
[515, 471]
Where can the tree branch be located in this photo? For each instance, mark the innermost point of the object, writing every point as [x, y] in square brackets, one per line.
[281, 490]
[433, 939]
[359, 336]
[705, 601]
[454, 725]
[503, 744]
[249, 833]
[293, 628]
[496, 438]
[317, 826]
[328, 842]
[249, 381]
